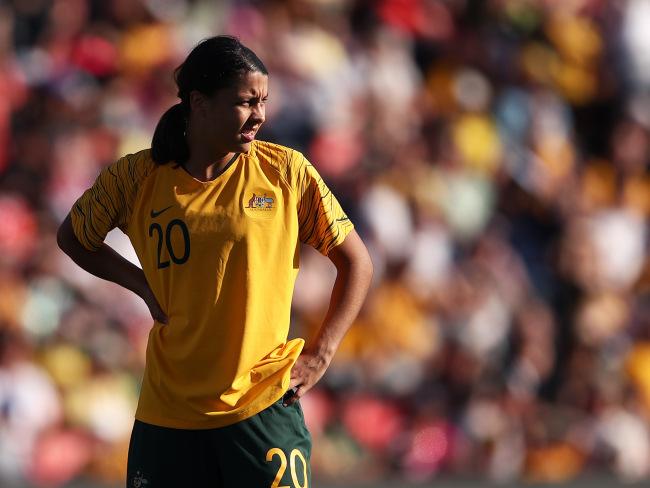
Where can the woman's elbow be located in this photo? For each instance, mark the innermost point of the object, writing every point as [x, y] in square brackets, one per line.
[64, 235]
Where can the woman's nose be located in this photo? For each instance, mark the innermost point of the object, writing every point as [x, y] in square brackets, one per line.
[259, 113]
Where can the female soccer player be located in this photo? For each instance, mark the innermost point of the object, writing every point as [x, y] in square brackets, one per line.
[216, 219]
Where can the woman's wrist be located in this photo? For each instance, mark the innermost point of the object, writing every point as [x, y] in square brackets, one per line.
[323, 350]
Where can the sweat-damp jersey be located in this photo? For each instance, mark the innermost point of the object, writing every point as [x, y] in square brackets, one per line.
[221, 257]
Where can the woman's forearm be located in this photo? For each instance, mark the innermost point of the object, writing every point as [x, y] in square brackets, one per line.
[354, 274]
[107, 264]
[104, 263]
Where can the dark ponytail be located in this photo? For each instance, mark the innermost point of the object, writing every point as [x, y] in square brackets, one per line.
[215, 63]
[169, 143]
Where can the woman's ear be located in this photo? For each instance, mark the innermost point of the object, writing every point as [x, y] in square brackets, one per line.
[198, 103]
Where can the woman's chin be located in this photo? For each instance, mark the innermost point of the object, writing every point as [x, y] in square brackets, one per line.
[244, 146]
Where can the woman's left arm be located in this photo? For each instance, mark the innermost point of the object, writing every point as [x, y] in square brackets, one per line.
[353, 276]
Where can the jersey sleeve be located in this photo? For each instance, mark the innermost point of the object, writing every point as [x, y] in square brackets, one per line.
[322, 222]
[108, 202]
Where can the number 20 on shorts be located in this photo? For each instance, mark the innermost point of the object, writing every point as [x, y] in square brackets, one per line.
[276, 451]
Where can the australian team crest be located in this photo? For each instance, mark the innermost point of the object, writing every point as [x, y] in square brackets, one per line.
[260, 202]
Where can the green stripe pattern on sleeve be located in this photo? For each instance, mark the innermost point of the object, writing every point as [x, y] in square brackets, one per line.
[323, 223]
[109, 201]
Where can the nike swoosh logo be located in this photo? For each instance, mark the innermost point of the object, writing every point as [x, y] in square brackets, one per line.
[343, 219]
[155, 214]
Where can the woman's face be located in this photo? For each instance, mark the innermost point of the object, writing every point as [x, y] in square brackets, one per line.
[229, 120]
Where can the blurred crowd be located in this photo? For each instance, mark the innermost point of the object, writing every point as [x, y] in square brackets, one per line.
[493, 154]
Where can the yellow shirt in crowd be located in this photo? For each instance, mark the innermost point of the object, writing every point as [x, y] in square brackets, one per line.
[221, 258]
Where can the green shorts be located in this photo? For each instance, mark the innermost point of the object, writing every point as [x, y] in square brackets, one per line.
[271, 449]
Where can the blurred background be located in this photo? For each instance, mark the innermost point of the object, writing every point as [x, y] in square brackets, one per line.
[493, 155]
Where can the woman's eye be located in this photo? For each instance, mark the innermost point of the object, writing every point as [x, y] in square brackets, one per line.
[249, 103]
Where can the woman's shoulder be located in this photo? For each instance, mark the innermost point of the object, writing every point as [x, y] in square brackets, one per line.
[134, 167]
[275, 154]
[142, 160]
[289, 163]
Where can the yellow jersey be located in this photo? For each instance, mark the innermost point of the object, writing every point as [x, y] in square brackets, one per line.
[221, 257]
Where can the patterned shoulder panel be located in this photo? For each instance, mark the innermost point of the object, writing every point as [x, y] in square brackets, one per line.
[277, 157]
[108, 203]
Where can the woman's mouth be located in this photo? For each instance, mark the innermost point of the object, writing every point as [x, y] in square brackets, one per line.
[248, 135]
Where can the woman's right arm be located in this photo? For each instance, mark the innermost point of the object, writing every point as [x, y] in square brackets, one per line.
[105, 263]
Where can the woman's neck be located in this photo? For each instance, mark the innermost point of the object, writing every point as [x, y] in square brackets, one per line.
[207, 167]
